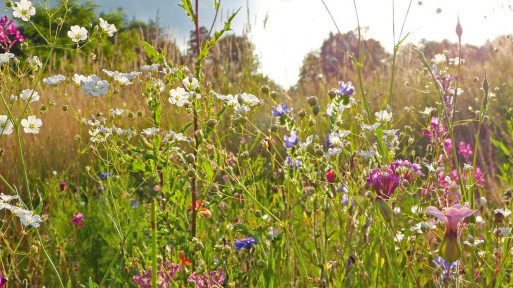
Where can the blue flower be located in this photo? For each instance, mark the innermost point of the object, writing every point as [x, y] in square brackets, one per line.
[345, 89]
[447, 269]
[104, 175]
[291, 141]
[245, 243]
[281, 110]
[292, 163]
[133, 203]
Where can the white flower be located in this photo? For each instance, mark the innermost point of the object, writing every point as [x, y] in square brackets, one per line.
[150, 131]
[190, 83]
[23, 10]
[504, 212]
[383, 116]
[419, 226]
[179, 97]
[390, 133]
[28, 219]
[427, 111]
[439, 59]
[456, 61]
[118, 113]
[5, 206]
[416, 210]
[8, 198]
[460, 91]
[152, 67]
[99, 134]
[176, 136]
[34, 63]
[371, 128]
[77, 33]
[5, 57]
[54, 80]
[108, 28]
[504, 231]
[78, 79]
[5, 125]
[479, 220]
[29, 95]
[31, 124]
[366, 154]
[473, 242]
[248, 99]
[94, 85]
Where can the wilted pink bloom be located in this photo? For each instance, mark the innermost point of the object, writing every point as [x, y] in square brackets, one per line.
[450, 249]
[77, 220]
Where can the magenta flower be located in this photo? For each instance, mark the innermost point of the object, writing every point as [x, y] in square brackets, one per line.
[63, 186]
[9, 34]
[450, 249]
[448, 145]
[465, 149]
[77, 220]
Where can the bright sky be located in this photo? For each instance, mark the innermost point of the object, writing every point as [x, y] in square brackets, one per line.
[295, 27]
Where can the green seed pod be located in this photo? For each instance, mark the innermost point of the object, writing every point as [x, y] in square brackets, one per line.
[319, 152]
[265, 90]
[332, 93]
[190, 158]
[316, 109]
[191, 173]
[258, 213]
[274, 128]
[302, 113]
[274, 95]
[211, 123]
[65, 107]
[261, 264]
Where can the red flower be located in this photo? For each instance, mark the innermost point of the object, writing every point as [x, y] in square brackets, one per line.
[183, 259]
[330, 176]
[201, 211]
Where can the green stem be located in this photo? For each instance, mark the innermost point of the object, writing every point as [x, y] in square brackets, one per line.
[153, 244]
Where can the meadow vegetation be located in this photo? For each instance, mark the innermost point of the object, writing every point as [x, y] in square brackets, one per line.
[128, 163]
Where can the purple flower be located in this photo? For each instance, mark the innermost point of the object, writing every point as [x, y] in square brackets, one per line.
[164, 276]
[448, 145]
[291, 141]
[3, 280]
[345, 89]
[77, 220]
[449, 248]
[104, 175]
[245, 243]
[133, 203]
[63, 186]
[281, 110]
[386, 180]
[292, 163]
[446, 267]
[9, 34]
[213, 278]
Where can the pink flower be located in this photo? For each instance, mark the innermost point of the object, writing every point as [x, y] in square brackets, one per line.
[465, 149]
[448, 145]
[63, 186]
[77, 220]
[449, 248]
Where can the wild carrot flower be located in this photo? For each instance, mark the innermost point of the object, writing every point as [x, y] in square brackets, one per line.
[449, 248]
[245, 243]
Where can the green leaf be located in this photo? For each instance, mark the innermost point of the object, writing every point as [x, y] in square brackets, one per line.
[187, 6]
[152, 53]
[501, 145]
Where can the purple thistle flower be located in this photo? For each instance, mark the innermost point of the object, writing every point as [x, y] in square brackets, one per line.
[345, 89]
[291, 141]
[245, 243]
[281, 110]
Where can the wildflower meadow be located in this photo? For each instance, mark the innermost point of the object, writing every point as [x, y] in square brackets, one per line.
[126, 162]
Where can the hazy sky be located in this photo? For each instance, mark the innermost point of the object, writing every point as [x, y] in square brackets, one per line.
[284, 31]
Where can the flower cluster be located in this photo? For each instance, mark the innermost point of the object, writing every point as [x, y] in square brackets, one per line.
[9, 34]
[165, 276]
[215, 278]
[241, 103]
[77, 220]
[27, 217]
[91, 84]
[386, 180]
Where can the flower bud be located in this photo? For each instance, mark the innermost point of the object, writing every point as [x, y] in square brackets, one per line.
[64, 107]
[384, 209]
[302, 113]
[312, 100]
[211, 123]
[316, 109]
[274, 95]
[265, 90]
[332, 93]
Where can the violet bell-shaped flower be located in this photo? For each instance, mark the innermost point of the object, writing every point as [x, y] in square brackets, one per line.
[449, 248]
